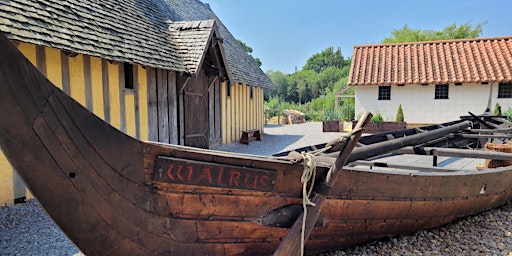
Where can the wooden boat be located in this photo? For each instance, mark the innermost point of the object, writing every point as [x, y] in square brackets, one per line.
[114, 195]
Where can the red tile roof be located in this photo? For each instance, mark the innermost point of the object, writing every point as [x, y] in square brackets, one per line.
[453, 61]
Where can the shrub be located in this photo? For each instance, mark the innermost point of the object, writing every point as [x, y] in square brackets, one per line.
[497, 109]
[348, 112]
[377, 118]
[400, 114]
[332, 116]
[508, 114]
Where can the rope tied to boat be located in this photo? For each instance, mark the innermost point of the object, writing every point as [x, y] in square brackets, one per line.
[308, 174]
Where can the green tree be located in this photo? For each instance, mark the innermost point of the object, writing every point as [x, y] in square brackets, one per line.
[406, 34]
[327, 79]
[399, 114]
[304, 80]
[248, 49]
[281, 82]
[328, 57]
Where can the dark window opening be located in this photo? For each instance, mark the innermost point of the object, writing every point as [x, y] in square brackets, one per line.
[228, 90]
[128, 76]
[441, 92]
[251, 92]
[384, 93]
[505, 90]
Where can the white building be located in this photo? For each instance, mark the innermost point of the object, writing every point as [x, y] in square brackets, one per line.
[434, 81]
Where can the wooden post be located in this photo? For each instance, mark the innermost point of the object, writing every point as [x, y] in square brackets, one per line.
[278, 114]
[291, 244]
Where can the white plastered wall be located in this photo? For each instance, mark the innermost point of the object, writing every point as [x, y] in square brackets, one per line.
[419, 105]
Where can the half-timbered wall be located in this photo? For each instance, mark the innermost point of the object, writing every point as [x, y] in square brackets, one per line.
[148, 111]
[241, 110]
[97, 84]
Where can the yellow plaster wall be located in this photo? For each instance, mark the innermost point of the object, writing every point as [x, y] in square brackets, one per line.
[76, 78]
[129, 102]
[97, 87]
[236, 98]
[29, 50]
[239, 111]
[223, 111]
[54, 66]
[231, 118]
[260, 107]
[143, 102]
[242, 108]
[114, 100]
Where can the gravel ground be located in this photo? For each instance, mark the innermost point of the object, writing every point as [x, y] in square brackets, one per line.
[25, 229]
[278, 138]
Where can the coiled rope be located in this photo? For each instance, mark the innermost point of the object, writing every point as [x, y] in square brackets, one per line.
[308, 174]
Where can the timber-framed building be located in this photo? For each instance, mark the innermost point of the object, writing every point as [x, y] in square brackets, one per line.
[158, 70]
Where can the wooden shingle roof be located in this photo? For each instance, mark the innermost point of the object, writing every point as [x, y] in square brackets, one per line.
[190, 40]
[453, 61]
[133, 31]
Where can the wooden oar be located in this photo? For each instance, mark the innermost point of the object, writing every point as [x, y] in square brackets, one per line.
[291, 244]
[483, 122]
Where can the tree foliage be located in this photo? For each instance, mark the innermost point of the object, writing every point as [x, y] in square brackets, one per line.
[248, 49]
[312, 89]
[406, 34]
[327, 58]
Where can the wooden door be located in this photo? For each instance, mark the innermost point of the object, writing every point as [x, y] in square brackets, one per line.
[196, 112]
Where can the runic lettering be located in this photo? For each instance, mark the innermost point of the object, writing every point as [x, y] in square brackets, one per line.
[213, 175]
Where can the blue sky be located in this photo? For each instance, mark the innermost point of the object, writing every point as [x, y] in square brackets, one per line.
[285, 33]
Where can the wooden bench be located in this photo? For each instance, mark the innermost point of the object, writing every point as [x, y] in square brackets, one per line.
[250, 135]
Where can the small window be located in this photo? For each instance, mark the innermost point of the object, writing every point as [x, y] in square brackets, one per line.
[505, 90]
[441, 92]
[251, 92]
[128, 76]
[384, 92]
[228, 90]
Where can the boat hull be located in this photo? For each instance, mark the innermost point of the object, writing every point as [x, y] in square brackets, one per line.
[114, 195]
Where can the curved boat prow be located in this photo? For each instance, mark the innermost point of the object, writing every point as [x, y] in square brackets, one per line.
[59, 149]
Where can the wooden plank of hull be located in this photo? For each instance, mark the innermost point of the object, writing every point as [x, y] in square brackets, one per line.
[358, 183]
[220, 207]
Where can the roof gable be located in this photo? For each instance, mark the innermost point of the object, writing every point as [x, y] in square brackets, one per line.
[452, 61]
[190, 39]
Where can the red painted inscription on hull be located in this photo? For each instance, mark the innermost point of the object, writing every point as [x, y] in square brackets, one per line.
[189, 172]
